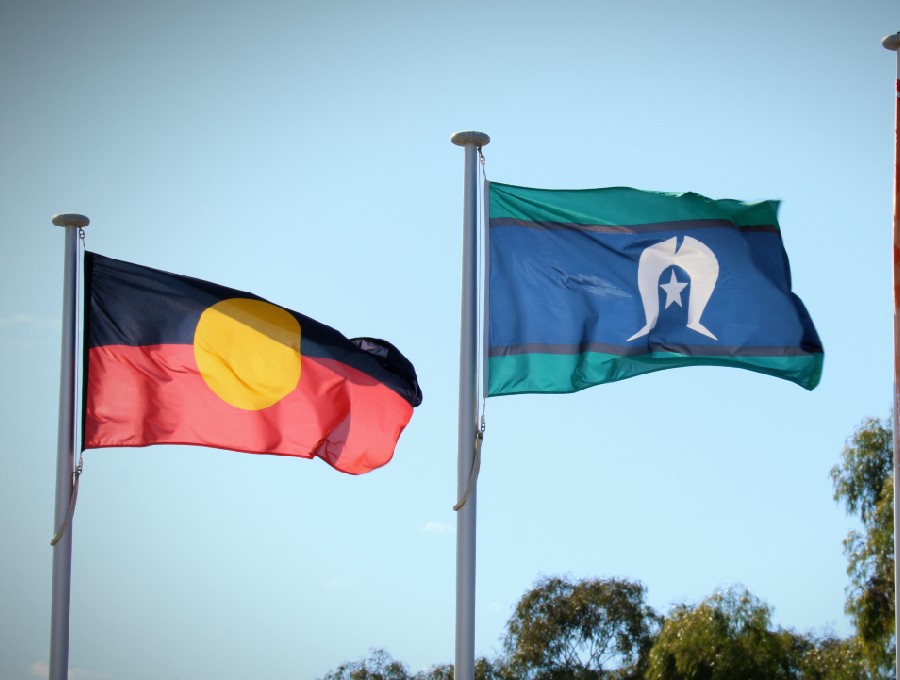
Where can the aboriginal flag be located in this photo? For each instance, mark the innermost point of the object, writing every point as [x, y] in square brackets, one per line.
[171, 359]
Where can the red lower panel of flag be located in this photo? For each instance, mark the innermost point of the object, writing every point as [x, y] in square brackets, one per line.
[157, 395]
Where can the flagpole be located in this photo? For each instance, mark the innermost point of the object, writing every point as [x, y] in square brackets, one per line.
[65, 454]
[464, 667]
[892, 42]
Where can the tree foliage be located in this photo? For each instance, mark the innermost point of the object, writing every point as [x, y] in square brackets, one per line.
[377, 666]
[864, 482]
[729, 635]
[827, 658]
[591, 628]
[485, 669]
[602, 629]
[725, 636]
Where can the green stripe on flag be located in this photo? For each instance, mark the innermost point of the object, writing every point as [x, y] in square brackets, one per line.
[622, 206]
[564, 373]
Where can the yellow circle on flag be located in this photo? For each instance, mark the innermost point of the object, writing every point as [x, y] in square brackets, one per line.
[248, 352]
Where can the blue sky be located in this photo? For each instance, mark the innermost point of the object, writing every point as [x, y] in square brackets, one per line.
[301, 151]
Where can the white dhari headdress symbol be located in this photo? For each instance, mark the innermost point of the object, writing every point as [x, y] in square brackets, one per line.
[697, 260]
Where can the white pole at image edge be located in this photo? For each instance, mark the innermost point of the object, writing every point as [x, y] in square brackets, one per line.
[892, 42]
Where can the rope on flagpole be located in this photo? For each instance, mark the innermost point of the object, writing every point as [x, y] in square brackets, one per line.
[476, 468]
[481, 312]
[73, 498]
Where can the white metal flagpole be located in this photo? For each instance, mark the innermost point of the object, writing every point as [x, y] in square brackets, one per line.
[65, 454]
[464, 667]
[892, 42]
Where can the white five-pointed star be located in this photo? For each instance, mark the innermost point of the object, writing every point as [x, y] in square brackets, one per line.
[673, 290]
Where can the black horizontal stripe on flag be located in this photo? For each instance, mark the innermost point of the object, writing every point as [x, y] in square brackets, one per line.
[621, 351]
[133, 305]
[680, 225]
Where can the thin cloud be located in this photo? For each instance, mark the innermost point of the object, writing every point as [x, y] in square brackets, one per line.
[41, 323]
[436, 528]
[40, 669]
[84, 674]
[21, 330]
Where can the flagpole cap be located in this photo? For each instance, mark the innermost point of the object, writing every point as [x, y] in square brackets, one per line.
[891, 42]
[470, 137]
[70, 220]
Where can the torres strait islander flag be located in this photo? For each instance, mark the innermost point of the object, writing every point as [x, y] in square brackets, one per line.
[172, 359]
[592, 286]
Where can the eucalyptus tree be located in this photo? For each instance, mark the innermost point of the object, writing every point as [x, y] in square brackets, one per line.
[591, 628]
[864, 482]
